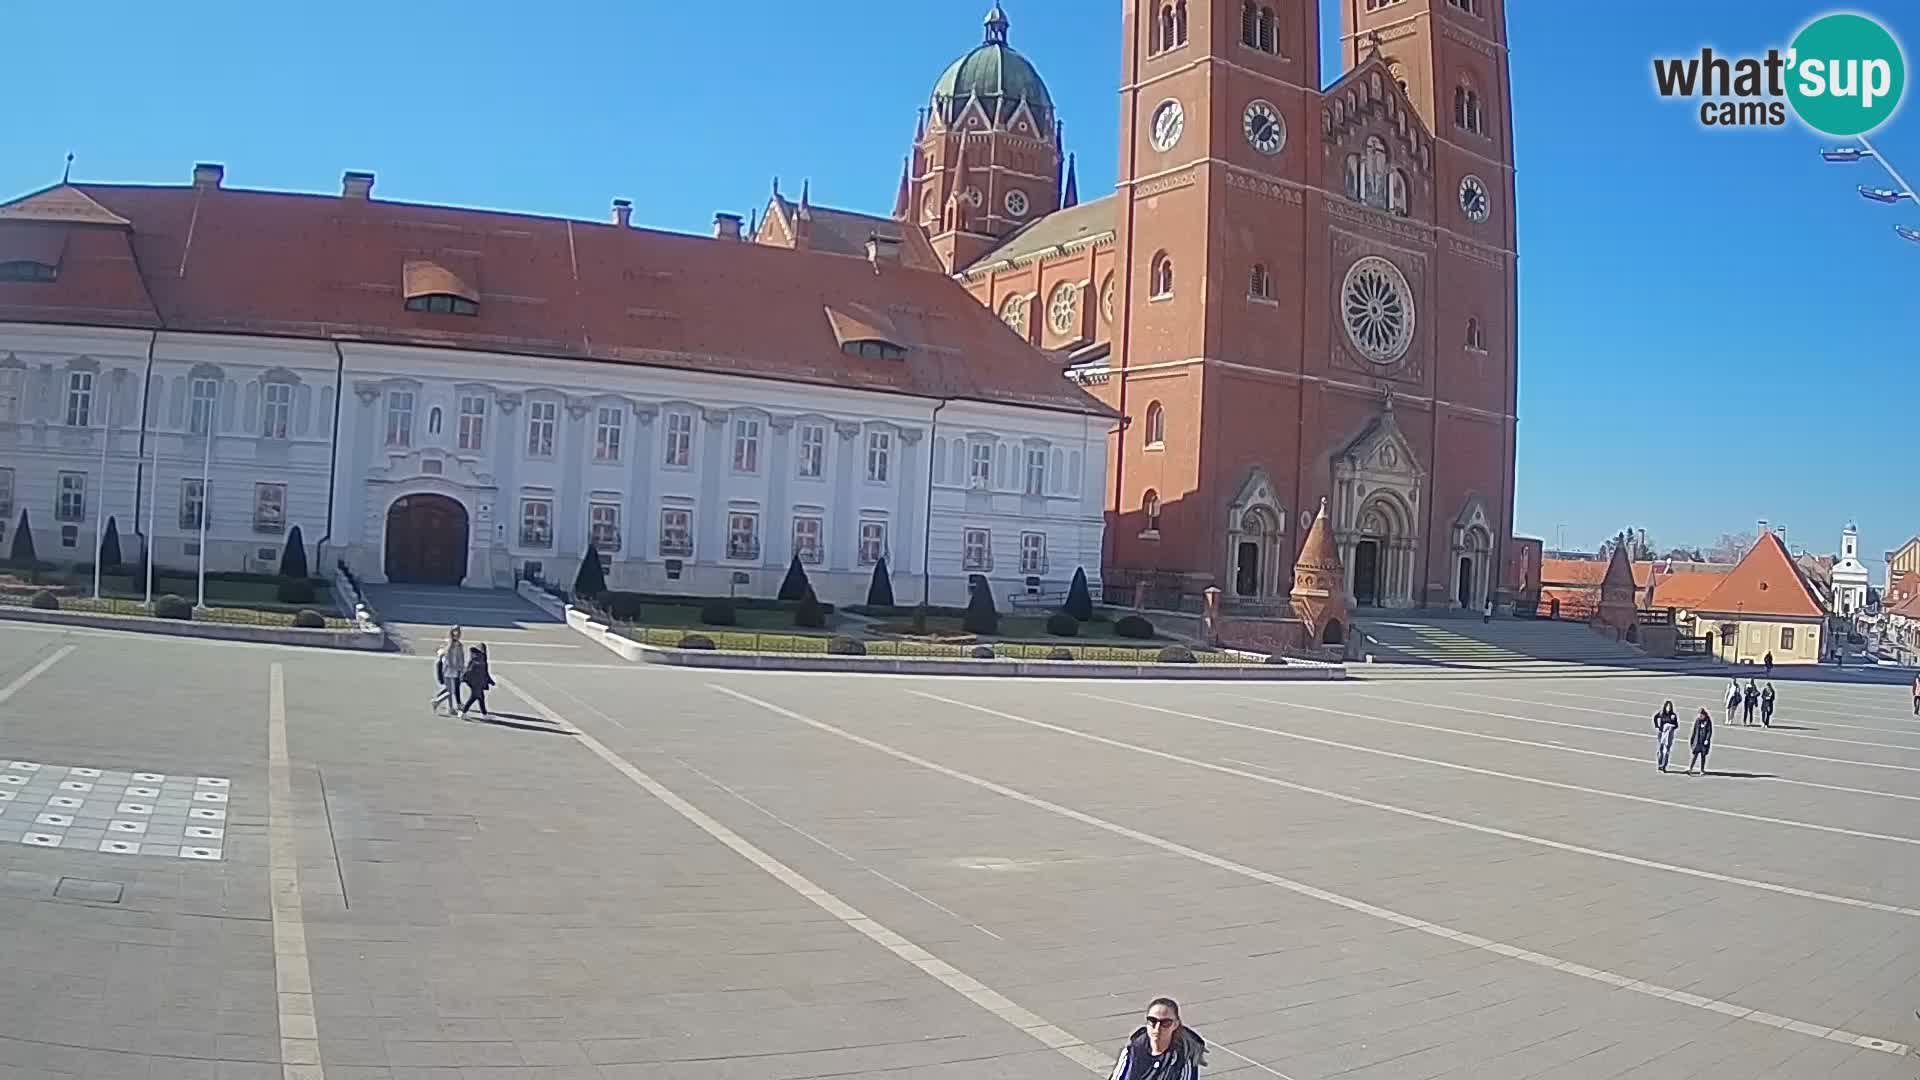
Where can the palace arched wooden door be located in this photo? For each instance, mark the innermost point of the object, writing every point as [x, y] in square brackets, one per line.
[426, 541]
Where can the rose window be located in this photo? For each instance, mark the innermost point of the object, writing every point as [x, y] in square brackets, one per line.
[1377, 307]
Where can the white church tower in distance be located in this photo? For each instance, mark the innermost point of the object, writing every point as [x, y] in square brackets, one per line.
[1850, 575]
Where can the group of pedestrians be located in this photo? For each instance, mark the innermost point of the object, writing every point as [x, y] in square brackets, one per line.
[1666, 723]
[1751, 696]
[456, 666]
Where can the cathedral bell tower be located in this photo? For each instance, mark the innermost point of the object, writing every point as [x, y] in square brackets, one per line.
[986, 156]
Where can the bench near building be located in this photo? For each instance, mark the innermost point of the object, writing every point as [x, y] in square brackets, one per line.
[442, 395]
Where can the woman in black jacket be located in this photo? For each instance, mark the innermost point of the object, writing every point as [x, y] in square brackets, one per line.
[479, 679]
[1702, 741]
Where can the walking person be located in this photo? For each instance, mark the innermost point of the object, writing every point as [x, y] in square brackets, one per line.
[439, 679]
[453, 665]
[1665, 723]
[1752, 699]
[1767, 698]
[1916, 695]
[1768, 661]
[1163, 1049]
[1734, 696]
[479, 679]
[1702, 741]
[1486, 614]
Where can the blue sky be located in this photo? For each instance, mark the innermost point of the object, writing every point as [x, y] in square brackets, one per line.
[1714, 327]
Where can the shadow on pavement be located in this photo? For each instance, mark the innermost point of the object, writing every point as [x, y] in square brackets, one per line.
[517, 722]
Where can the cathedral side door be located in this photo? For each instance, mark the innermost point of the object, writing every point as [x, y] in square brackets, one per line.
[1246, 573]
[1366, 573]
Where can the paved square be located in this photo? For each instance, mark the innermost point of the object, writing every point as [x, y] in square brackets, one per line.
[632, 872]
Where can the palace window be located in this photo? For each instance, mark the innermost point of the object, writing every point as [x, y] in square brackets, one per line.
[1259, 283]
[676, 533]
[813, 451]
[400, 418]
[1033, 553]
[27, 270]
[807, 547]
[1160, 277]
[6, 495]
[542, 418]
[536, 523]
[873, 541]
[473, 421]
[980, 465]
[205, 395]
[193, 503]
[743, 535]
[80, 399]
[976, 550]
[606, 434]
[443, 304]
[879, 455]
[71, 502]
[1036, 470]
[276, 411]
[1156, 426]
[269, 508]
[12, 384]
[1786, 639]
[679, 439]
[746, 445]
[603, 526]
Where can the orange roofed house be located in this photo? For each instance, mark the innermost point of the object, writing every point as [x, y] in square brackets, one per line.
[1298, 291]
[463, 397]
[1765, 605]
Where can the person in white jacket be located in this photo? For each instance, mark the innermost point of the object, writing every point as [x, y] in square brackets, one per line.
[451, 666]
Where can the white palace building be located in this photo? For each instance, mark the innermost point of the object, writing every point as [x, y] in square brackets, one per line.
[456, 396]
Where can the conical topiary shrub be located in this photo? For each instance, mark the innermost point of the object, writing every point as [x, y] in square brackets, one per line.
[110, 547]
[1079, 601]
[796, 585]
[293, 557]
[981, 617]
[22, 551]
[880, 592]
[591, 581]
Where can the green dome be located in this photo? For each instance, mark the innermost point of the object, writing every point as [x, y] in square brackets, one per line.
[1000, 77]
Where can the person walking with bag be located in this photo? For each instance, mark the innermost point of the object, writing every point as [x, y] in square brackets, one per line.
[1752, 698]
[1665, 723]
[479, 680]
[453, 666]
[1767, 698]
[1734, 697]
[1702, 741]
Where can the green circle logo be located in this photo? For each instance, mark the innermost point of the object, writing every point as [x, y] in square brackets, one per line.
[1847, 74]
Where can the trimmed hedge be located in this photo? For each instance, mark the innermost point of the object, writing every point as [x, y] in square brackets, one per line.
[308, 619]
[740, 603]
[173, 607]
[1177, 654]
[908, 611]
[622, 606]
[45, 601]
[295, 591]
[1061, 624]
[846, 646]
[696, 641]
[1133, 626]
[809, 614]
[717, 613]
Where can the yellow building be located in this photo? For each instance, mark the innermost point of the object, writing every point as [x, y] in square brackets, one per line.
[1764, 606]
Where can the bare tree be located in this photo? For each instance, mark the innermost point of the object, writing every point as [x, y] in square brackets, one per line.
[1731, 547]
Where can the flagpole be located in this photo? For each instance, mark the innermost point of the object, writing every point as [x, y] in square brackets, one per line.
[100, 504]
[206, 468]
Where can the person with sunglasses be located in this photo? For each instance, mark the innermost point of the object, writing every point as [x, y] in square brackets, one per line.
[1164, 1049]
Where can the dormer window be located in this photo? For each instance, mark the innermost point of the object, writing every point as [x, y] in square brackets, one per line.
[874, 350]
[27, 270]
[862, 331]
[443, 304]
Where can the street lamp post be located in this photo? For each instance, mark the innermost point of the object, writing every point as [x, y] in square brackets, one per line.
[206, 469]
[100, 504]
[1848, 155]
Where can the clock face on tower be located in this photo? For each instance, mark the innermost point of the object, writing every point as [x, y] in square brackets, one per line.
[1474, 201]
[1169, 122]
[1265, 129]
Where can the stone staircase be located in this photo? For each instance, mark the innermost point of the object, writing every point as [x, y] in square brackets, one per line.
[1506, 644]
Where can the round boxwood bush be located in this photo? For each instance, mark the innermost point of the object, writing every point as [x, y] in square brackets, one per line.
[45, 601]
[295, 591]
[173, 607]
[309, 619]
[810, 615]
[717, 613]
[1133, 626]
[696, 641]
[1177, 654]
[622, 606]
[1061, 652]
[1061, 624]
[982, 652]
[846, 646]
[1276, 658]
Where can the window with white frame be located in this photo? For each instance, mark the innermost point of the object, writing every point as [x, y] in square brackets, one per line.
[976, 549]
[6, 495]
[79, 399]
[473, 422]
[1033, 553]
[746, 444]
[813, 451]
[543, 417]
[873, 541]
[205, 394]
[676, 533]
[1036, 470]
[276, 413]
[269, 508]
[71, 502]
[13, 382]
[679, 439]
[606, 433]
[536, 523]
[603, 525]
[879, 455]
[743, 535]
[980, 465]
[193, 503]
[399, 418]
[808, 530]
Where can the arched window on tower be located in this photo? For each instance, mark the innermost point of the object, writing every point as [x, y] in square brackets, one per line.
[1180, 22]
[1155, 42]
[1353, 177]
[1156, 432]
[1167, 38]
[1160, 284]
[1397, 192]
[1150, 509]
[1269, 31]
[1476, 337]
[1373, 172]
[1260, 283]
[1249, 24]
[1466, 110]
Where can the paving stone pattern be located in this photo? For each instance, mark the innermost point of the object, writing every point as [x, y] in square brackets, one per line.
[117, 813]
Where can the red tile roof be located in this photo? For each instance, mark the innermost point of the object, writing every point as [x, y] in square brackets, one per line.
[222, 260]
[1686, 589]
[1765, 583]
[1587, 572]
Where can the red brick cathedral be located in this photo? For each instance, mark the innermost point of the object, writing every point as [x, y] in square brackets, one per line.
[1293, 293]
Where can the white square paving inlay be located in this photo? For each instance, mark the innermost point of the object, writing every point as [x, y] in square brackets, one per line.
[75, 798]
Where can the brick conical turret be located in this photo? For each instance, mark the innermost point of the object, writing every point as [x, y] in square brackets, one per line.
[1618, 612]
[1320, 584]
